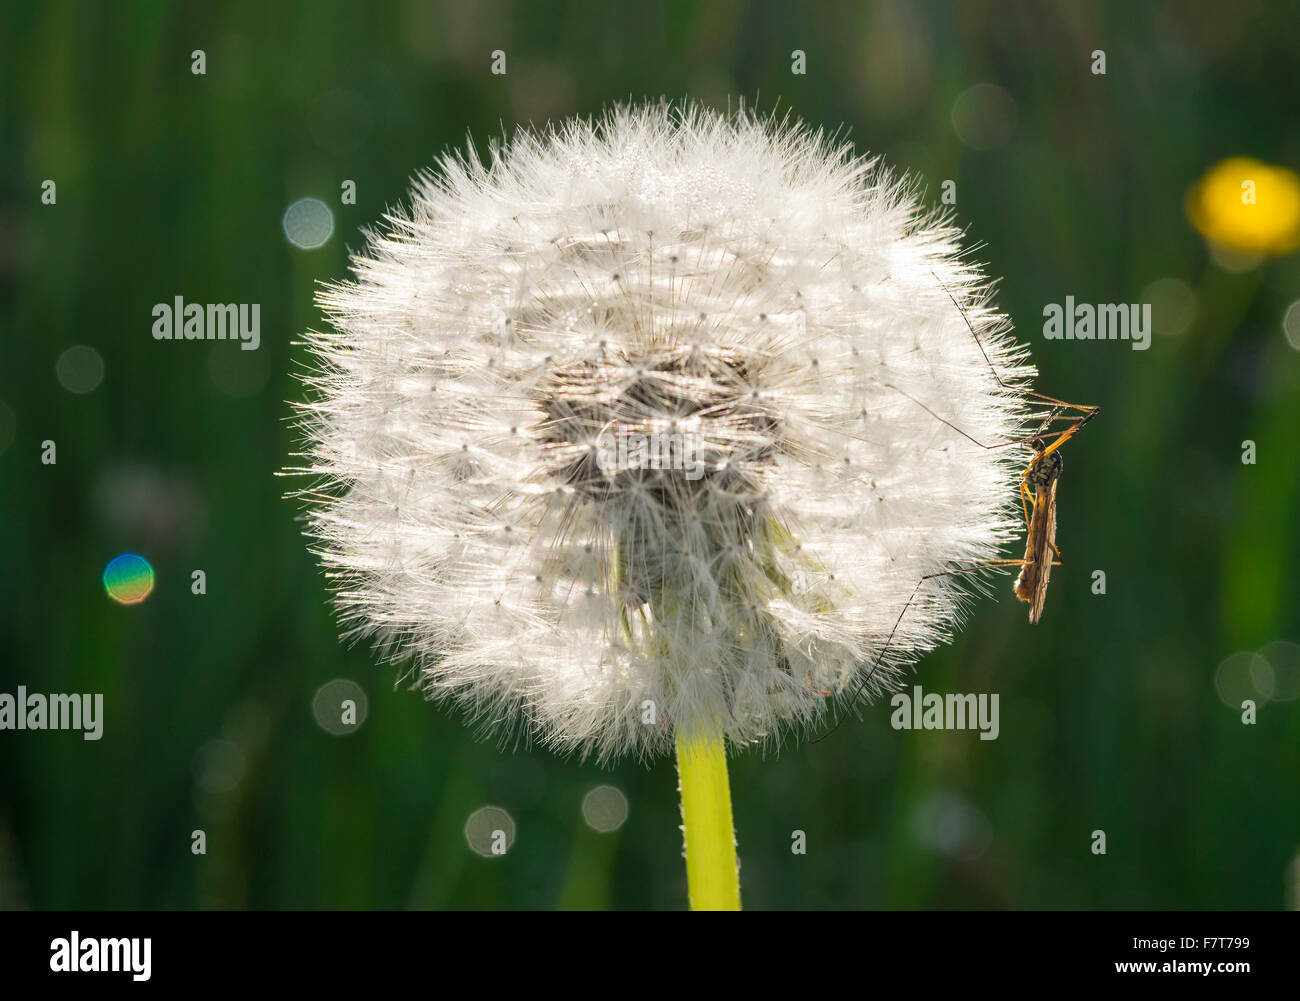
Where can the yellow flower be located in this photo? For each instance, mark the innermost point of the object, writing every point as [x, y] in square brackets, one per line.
[1248, 206]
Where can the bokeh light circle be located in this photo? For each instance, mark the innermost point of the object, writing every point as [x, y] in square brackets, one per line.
[1291, 325]
[481, 831]
[985, 116]
[1243, 675]
[947, 825]
[80, 369]
[1173, 305]
[1283, 657]
[308, 223]
[604, 809]
[340, 707]
[218, 767]
[1234, 261]
[128, 579]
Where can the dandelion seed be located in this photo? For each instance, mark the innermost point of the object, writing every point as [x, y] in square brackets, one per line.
[751, 277]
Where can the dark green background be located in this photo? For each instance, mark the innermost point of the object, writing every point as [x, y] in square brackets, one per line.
[175, 184]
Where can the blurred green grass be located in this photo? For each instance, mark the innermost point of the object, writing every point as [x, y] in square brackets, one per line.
[175, 184]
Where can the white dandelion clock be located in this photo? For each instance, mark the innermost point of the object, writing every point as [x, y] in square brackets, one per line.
[633, 432]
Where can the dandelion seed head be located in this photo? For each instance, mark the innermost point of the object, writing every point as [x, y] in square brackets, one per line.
[744, 286]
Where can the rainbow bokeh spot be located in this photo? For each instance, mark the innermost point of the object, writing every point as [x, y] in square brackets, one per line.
[128, 579]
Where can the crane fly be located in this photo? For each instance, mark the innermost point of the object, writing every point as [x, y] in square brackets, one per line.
[1038, 484]
[1037, 490]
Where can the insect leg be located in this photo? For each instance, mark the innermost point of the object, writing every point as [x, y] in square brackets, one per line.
[857, 692]
[1026, 498]
[980, 344]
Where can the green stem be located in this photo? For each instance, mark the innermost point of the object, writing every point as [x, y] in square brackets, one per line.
[712, 876]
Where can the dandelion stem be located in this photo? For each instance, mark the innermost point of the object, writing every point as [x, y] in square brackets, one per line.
[712, 875]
